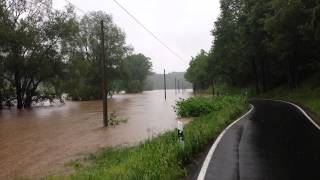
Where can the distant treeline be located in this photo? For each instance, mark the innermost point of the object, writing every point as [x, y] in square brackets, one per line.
[155, 81]
[45, 53]
[261, 44]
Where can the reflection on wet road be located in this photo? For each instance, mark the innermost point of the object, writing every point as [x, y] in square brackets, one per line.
[274, 141]
[40, 141]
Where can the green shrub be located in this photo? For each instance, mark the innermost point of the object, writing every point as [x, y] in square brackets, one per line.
[200, 105]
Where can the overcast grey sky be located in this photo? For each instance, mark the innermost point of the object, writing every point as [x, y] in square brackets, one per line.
[184, 25]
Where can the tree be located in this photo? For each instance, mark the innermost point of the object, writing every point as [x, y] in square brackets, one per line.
[264, 43]
[84, 67]
[254, 38]
[226, 60]
[287, 36]
[32, 56]
[135, 69]
[197, 73]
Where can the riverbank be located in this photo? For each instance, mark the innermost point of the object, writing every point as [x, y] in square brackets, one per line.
[39, 142]
[162, 157]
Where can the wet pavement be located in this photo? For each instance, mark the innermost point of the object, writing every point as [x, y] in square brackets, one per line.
[40, 141]
[274, 142]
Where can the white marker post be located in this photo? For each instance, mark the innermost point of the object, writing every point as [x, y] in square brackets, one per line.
[180, 133]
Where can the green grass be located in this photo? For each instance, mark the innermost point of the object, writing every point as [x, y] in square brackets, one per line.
[307, 94]
[162, 157]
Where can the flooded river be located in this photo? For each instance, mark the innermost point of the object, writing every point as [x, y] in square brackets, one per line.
[39, 142]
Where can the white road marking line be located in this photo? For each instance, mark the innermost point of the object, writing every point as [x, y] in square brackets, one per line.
[299, 108]
[205, 165]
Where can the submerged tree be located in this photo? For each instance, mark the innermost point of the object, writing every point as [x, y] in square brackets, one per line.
[84, 67]
[135, 69]
[32, 55]
[45, 53]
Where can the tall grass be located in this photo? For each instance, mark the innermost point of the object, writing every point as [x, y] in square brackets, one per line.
[162, 157]
[307, 94]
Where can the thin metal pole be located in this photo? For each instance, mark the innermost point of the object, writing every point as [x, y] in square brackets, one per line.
[178, 86]
[165, 84]
[104, 83]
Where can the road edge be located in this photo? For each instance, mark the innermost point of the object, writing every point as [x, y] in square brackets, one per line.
[205, 165]
[300, 109]
[206, 162]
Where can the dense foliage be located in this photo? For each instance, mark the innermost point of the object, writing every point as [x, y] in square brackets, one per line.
[84, 65]
[200, 105]
[198, 71]
[135, 69]
[45, 53]
[162, 157]
[262, 44]
[30, 50]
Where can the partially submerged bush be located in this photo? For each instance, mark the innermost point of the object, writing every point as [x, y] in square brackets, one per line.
[115, 120]
[199, 105]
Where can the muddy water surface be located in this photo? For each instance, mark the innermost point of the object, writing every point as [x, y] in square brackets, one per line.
[40, 141]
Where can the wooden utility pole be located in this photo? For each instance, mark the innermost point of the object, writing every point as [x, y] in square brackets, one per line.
[182, 89]
[175, 85]
[165, 84]
[104, 83]
[194, 89]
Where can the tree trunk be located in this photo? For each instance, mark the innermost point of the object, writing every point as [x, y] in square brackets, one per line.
[255, 74]
[263, 76]
[295, 60]
[29, 94]
[233, 77]
[291, 79]
[27, 102]
[194, 88]
[1, 93]
[295, 72]
[1, 100]
[17, 80]
[212, 87]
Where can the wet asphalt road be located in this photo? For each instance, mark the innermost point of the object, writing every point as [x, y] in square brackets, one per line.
[273, 142]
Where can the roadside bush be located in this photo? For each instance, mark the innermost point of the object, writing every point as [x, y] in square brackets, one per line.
[199, 105]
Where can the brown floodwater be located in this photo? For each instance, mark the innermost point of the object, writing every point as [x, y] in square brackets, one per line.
[39, 142]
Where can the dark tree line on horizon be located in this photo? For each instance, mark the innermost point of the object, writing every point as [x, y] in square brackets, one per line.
[262, 44]
[45, 53]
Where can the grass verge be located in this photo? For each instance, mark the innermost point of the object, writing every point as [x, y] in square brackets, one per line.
[162, 157]
[308, 94]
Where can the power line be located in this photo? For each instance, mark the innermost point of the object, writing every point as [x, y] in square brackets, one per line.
[141, 24]
[150, 32]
